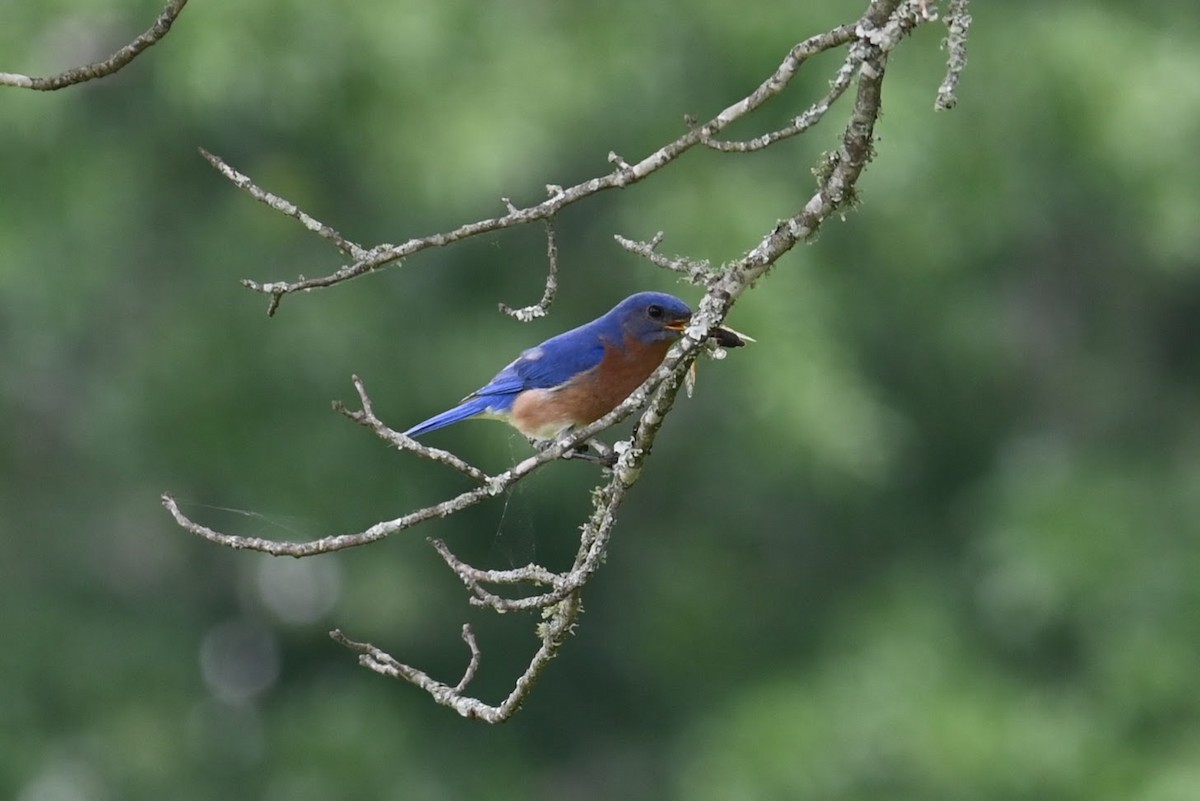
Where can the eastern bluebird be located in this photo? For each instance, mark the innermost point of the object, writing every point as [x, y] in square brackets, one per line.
[578, 377]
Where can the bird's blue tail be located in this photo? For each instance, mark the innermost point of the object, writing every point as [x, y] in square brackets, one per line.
[468, 408]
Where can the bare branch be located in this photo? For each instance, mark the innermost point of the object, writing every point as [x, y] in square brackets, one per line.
[473, 666]
[699, 273]
[282, 206]
[474, 579]
[108, 66]
[958, 22]
[333, 542]
[368, 419]
[560, 614]
[837, 87]
[623, 175]
[881, 29]
[494, 486]
[386, 665]
[529, 574]
[553, 632]
[539, 310]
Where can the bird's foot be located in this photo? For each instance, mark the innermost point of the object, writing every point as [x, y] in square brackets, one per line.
[593, 451]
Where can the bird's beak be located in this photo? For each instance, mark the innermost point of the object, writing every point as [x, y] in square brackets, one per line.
[724, 336]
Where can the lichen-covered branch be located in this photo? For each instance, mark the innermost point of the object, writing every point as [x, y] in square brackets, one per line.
[699, 273]
[557, 595]
[623, 174]
[540, 308]
[810, 117]
[958, 24]
[282, 206]
[99, 69]
[560, 608]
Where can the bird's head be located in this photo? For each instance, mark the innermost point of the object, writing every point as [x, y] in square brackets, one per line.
[651, 316]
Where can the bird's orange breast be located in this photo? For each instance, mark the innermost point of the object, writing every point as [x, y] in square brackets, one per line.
[590, 395]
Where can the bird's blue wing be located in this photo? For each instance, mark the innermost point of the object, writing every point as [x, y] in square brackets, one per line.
[550, 364]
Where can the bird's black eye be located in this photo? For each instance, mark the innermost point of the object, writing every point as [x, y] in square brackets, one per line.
[655, 311]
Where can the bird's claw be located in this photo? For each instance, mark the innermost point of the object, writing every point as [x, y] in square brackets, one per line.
[593, 451]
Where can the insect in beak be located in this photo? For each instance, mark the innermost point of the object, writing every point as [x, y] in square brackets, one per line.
[726, 337]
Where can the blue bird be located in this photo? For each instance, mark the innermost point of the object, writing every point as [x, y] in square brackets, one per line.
[579, 376]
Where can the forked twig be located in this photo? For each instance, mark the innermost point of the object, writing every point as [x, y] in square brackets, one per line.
[540, 308]
[623, 174]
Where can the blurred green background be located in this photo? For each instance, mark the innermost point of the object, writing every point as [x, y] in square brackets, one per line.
[934, 537]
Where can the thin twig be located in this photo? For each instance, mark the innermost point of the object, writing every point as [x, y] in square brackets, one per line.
[837, 87]
[384, 664]
[282, 206]
[542, 306]
[529, 574]
[699, 273]
[884, 25]
[108, 66]
[473, 666]
[474, 578]
[958, 23]
[553, 632]
[367, 418]
[624, 174]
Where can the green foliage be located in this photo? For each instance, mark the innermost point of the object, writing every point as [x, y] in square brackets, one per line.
[935, 536]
